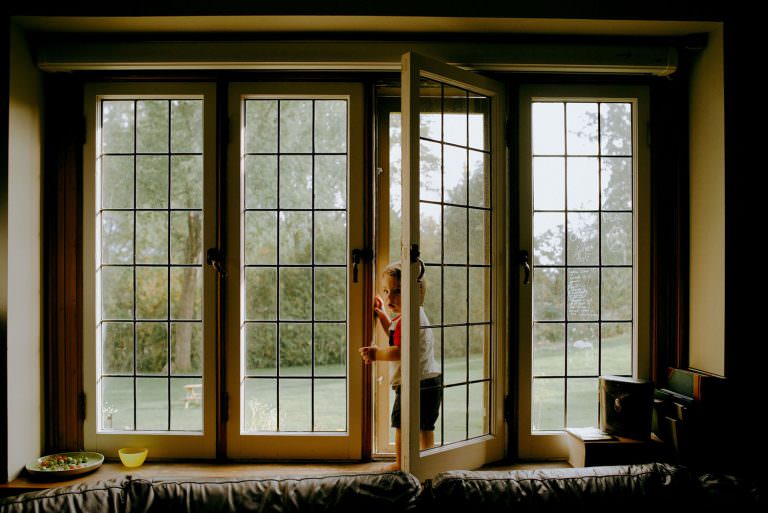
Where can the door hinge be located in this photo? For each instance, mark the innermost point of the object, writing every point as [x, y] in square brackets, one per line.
[81, 406]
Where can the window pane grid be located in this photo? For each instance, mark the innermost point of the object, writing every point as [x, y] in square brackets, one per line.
[594, 324]
[455, 203]
[124, 394]
[287, 380]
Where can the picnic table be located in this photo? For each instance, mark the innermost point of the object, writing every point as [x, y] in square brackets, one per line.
[194, 394]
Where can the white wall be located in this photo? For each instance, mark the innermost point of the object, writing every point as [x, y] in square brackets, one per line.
[707, 213]
[24, 257]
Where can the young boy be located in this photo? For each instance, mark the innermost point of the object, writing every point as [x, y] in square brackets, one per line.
[431, 379]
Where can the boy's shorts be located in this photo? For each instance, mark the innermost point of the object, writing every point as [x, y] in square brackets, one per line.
[430, 398]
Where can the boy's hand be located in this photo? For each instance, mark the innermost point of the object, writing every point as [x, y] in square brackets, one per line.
[368, 353]
[378, 304]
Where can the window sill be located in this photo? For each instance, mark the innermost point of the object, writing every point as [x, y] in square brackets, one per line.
[197, 470]
[201, 470]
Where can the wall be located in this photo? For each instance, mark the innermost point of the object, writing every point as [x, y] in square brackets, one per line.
[707, 209]
[24, 257]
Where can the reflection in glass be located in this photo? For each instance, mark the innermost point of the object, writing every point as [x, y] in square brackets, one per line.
[583, 284]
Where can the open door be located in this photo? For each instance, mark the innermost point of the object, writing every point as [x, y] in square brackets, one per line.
[453, 239]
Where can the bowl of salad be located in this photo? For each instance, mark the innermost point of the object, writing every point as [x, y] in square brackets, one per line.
[66, 464]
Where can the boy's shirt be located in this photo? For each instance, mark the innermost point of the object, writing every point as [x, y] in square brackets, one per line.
[429, 366]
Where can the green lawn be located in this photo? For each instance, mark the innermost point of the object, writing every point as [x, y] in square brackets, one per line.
[330, 415]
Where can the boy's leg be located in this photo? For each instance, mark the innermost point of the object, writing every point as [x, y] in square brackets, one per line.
[398, 451]
[426, 439]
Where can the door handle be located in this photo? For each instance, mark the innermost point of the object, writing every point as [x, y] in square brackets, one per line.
[526, 266]
[358, 254]
[215, 258]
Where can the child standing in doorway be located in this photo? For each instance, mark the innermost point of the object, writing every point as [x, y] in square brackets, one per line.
[431, 390]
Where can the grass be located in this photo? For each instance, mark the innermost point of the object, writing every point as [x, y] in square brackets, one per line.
[460, 416]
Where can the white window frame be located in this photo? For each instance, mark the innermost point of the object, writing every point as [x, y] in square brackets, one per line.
[161, 444]
[295, 445]
[548, 445]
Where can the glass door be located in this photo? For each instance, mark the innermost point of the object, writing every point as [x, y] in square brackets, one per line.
[294, 307]
[584, 217]
[453, 267]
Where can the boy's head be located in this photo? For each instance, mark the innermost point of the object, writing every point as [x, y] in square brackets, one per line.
[391, 276]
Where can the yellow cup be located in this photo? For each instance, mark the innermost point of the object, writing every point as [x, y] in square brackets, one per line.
[133, 456]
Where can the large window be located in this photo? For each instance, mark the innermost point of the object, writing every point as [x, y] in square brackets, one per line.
[585, 201]
[150, 328]
[294, 310]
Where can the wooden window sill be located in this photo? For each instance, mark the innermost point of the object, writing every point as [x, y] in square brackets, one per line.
[202, 470]
[197, 470]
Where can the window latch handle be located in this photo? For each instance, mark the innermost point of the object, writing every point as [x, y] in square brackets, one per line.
[365, 254]
[215, 258]
[526, 266]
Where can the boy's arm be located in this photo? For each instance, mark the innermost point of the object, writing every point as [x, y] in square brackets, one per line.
[388, 354]
[380, 314]
[384, 354]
